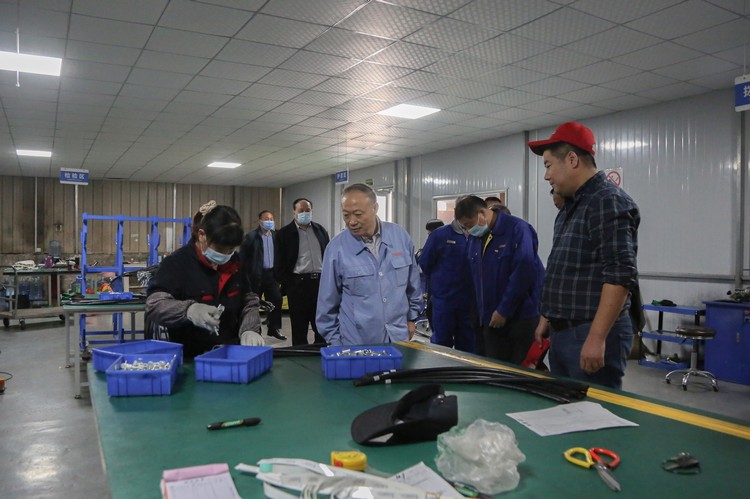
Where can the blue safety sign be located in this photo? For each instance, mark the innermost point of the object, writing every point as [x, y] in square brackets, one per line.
[74, 176]
[342, 176]
[742, 93]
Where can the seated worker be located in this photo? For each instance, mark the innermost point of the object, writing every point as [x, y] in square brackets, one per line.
[193, 281]
[507, 275]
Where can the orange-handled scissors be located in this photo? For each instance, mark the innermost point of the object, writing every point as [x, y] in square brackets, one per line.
[595, 457]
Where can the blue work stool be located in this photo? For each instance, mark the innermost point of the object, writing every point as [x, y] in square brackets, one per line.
[696, 334]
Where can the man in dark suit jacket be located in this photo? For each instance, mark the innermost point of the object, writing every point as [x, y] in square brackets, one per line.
[297, 265]
[257, 257]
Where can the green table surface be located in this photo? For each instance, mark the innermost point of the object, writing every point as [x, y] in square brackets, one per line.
[306, 416]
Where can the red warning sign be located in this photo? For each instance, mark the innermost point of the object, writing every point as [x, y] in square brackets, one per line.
[615, 176]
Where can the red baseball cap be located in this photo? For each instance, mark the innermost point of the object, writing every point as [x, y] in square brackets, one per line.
[571, 133]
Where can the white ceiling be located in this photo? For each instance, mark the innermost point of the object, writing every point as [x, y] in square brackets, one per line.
[153, 90]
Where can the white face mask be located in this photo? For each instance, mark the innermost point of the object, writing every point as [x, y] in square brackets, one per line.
[214, 256]
[304, 218]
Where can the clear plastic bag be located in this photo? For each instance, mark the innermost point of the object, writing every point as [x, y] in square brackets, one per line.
[484, 455]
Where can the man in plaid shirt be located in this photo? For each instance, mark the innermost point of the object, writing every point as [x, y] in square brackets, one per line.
[592, 266]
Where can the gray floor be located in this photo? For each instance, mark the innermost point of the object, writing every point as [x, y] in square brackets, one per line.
[50, 448]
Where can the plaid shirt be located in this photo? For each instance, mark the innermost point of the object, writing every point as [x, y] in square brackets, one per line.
[595, 242]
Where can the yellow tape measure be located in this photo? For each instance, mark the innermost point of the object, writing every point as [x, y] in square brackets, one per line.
[349, 459]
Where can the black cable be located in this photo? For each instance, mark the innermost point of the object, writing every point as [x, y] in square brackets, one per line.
[557, 390]
[299, 350]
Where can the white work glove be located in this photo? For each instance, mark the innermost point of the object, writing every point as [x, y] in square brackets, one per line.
[204, 316]
[251, 338]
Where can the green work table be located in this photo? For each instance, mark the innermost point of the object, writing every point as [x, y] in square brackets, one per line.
[306, 416]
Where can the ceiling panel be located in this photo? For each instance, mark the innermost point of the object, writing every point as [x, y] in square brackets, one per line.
[203, 18]
[155, 89]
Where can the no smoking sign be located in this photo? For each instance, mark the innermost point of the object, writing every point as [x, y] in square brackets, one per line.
[614, 175]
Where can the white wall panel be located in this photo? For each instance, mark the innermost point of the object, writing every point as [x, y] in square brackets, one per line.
[679, 162]
[492, 165]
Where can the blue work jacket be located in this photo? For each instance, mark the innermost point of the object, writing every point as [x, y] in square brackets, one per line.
[506, 270]
[443, 261]
[364, 300]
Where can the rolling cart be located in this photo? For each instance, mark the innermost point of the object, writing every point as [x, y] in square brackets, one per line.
[10, 296]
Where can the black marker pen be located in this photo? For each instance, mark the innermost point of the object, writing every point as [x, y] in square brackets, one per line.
[231, 424]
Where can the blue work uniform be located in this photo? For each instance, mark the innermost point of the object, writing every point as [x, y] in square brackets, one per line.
[445, 264]
[508, 276]
[364, 299]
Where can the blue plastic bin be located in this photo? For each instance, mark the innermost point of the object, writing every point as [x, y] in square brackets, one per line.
[105, 356]
[131, 383]
[352, 367]
[233, 364]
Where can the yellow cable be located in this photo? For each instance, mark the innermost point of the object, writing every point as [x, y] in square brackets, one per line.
[709, 423]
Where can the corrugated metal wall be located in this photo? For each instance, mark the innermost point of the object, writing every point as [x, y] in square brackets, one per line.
[681, 163]
[56, 218]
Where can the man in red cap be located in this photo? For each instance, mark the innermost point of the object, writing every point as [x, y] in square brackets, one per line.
[592, 266]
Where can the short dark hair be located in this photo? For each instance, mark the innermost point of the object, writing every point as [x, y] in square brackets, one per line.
[260, 215]
[223, 226]
[365, 189]
[469, 206]
[561, 149]
[493, 198]
[294, 204]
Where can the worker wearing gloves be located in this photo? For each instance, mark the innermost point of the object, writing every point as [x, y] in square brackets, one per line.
[199, 292]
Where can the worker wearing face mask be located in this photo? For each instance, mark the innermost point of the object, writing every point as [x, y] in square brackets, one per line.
[507, 275]
[298, 261]
[256, 254]
[193, 284]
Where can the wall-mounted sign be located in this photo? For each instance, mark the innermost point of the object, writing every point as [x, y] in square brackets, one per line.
[614, 175]
[342, 176]
[742, 93]
[74, 176]
[369, 182]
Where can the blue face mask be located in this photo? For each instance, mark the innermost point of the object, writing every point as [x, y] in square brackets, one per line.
[478, 230]
[268, 224]
[304, 218]
[214, 256]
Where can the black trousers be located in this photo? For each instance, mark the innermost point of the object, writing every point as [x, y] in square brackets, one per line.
[302, 297]
[271, 293]
[511, 342]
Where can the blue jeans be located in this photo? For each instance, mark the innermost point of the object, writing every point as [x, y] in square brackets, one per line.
[565, 353]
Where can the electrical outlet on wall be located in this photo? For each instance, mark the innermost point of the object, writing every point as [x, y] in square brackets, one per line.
[37, 250]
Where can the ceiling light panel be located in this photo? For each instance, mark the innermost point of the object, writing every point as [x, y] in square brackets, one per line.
[34, 153]
[408, 111]
[26, 63]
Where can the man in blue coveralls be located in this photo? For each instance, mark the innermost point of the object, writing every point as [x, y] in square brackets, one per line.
[507, 275]
[444, 263]
[369, 286]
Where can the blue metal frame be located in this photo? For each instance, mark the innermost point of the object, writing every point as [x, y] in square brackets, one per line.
[154, 239]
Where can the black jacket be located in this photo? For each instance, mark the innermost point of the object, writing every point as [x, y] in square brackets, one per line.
[182, 280]
[251, 256]
[287, 250]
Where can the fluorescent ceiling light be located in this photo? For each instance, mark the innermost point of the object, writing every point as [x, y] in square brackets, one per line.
[36, 154]
[25, 63]
[408, 111]
[219, 164]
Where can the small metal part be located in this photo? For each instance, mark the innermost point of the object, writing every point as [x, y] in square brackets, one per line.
[139, 365]
[362, 352]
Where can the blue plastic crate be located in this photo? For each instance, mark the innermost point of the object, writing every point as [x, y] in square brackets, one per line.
[233, 364]
[105, 356]
[131, 383]
[352, 367]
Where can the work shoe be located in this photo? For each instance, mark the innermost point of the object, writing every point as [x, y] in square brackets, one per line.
[275, 333]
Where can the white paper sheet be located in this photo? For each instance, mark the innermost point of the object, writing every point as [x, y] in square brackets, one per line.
[422, 476]
[569, 418]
